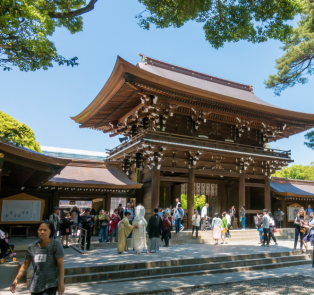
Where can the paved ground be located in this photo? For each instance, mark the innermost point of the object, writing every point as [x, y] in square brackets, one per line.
[109, 256]
[186, 285]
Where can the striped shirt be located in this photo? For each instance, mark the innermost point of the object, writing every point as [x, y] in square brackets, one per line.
[44, 261]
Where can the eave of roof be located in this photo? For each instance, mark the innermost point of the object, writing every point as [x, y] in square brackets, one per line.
[292, 187]
[116, 81]
[31, 155]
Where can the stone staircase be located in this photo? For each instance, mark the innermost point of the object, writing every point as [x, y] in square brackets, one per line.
[182, 267]
[206, 237]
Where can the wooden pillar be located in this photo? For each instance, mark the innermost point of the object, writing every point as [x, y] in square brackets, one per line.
[176, 193]
[224, 197]
[267, 197]
[55, 198]
[190, 196]
[248, 197]
[241, 192]
[155, 188]
[284, 210]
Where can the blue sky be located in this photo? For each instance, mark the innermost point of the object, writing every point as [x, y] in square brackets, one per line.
[45, 100]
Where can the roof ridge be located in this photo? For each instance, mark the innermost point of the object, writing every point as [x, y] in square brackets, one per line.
[161, 64]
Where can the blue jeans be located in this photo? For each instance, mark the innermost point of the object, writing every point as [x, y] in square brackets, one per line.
[261, 234]
[178, 223]
[103, 231]
[243, 222]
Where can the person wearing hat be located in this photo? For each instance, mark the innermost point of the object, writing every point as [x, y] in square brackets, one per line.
[55, 219]
[87, 222]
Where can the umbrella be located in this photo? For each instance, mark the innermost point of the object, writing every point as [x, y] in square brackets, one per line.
[279, 215]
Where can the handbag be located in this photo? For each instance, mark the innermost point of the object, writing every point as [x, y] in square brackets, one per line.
[275, 229]
[303, 230]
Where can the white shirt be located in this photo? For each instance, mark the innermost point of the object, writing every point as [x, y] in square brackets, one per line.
[74, 216]
[204, 212]
[228, 219]
[271, 221]
[177, 205]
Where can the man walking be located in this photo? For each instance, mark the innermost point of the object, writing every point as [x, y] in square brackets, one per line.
[204, 216]
[154, 230]
[178, 215]
[55, 219]
[265, 219]
[87, 221]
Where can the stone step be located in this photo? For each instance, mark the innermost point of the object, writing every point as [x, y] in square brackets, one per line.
[197, 269]
[226, 271]
[177, 262]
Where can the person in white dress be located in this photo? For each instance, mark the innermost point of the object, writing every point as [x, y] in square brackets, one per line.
[138, 242]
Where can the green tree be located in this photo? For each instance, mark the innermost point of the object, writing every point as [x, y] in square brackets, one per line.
[297, 60]
[310, 137]
[199, 200]
[296, 172]
[26, 25]
[225, 20]
[19, 133]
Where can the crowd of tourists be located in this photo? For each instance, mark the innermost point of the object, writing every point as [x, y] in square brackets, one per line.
[46, 255]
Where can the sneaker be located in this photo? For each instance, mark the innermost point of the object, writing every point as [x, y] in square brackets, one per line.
[222, 243]
[267, 245]
[124, 252]
[294, 249]
[307, 252]
[276, 244]
[263, 245]
[182, 228]
[226, 242]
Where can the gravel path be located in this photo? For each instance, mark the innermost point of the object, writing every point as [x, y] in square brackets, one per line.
[298, 285]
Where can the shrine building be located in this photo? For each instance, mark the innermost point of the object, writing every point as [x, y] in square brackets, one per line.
[191, 133]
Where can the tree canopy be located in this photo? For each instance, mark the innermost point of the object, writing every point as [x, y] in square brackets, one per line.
[310, 139]
[199, 201]
[25, 27]
[19, 133]
[297, 60]
[225, 20]
[296, 172]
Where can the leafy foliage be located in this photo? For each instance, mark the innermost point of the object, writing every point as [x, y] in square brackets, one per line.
[199, 200]
[296, 172]
[297, 60]
[25, 26]
[310, 137]
[225, 20]
[19, 133]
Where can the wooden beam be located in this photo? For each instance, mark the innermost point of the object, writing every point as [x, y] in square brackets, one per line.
[185, 179]
[241, 192]
[190, 196]
[128, 114]
[155, 188]
[250, 184]
[102, 122]
[267, 197]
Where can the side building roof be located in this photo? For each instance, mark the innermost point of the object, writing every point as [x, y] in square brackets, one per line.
[92, 174]
[292, 187]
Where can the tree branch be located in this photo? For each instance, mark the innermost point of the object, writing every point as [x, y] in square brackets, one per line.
[87, 8]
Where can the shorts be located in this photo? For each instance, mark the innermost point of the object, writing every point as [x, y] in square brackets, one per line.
[50, 291]
[309, 238]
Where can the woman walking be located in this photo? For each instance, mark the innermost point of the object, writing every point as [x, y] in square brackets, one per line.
[66, 228]
[224, 228]
[196, 220]
[243, 217]
[216, 226]
[46, 256]
[299, 222]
